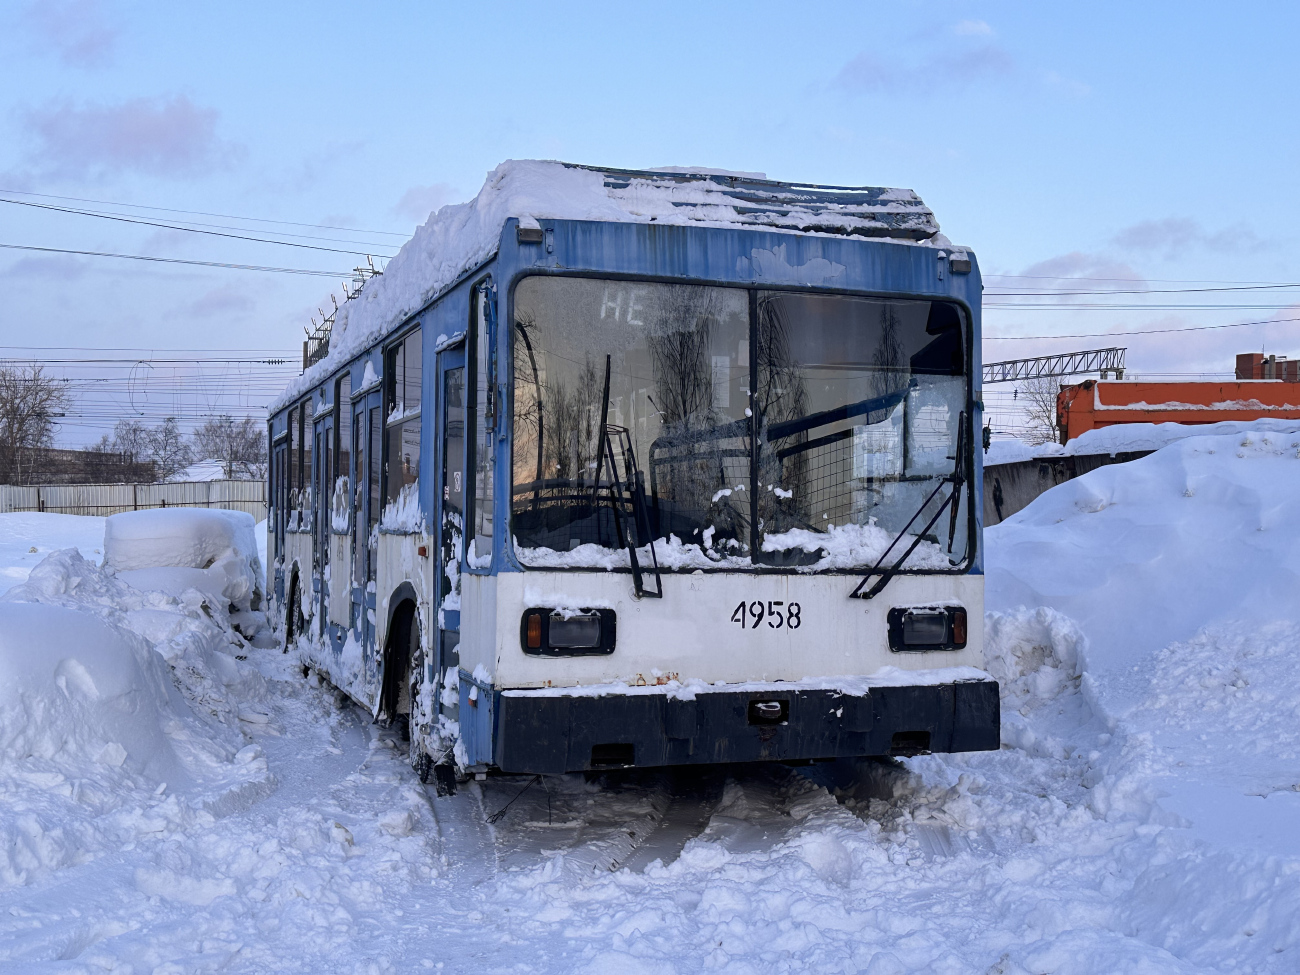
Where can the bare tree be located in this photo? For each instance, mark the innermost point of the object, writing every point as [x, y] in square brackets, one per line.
[238, 445]
[1039, 397]
[30, 403]
[130, 437]
[168, 448]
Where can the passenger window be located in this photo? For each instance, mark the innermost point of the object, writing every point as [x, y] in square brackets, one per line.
[294, 481]
[401, 491]
[484, 458]
[340, 502]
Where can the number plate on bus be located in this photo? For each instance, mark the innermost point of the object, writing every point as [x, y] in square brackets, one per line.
[776, 613]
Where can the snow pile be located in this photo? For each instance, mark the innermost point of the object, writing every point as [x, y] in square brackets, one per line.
[211, 550]
[73, 685]
[1145, 554]
[1126, 437]
[101, 740]
[461, 236]
[26, 537]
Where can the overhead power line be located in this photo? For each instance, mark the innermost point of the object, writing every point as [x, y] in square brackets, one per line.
[371, 244]
[205, 213]
[178, 260]
[1129, 280]
[1146, 331]
[1137, 291]
[132, 348]
[1105, 306]
[192, 230]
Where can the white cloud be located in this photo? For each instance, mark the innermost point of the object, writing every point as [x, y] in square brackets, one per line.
[972, 28]
[872, 73]
[420, 201]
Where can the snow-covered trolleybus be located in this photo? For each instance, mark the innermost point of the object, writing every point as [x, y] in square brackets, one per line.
[616, 468]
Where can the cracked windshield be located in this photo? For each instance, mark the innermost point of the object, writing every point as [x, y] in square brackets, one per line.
[635, 403]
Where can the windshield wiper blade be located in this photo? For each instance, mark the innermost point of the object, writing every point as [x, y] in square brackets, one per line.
[957, 479]
[605, 447]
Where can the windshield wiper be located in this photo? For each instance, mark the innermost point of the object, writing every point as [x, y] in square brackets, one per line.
[636, 491]
[957, 478]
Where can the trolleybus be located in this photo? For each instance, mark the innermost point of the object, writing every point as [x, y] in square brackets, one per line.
[638, 468]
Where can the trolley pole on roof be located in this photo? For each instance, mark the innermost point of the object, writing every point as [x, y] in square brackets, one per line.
[1102, 361]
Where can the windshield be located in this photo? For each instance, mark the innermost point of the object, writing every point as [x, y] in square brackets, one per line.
[856, 403]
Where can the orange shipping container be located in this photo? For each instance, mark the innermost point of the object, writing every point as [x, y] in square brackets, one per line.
[1102, 403]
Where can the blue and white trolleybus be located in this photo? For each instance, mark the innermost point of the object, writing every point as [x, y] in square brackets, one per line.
[639, 468]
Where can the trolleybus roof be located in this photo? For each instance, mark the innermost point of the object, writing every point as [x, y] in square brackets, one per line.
[460, 236]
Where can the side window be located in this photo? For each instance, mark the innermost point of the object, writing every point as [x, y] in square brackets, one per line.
[359, 528]
[341, 499]
[484, 454]
[374, 448]
[275, 491]
[293, 482]
[306, 471]
[402, 407]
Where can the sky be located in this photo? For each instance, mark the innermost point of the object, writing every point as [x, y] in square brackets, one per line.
[1097, 147]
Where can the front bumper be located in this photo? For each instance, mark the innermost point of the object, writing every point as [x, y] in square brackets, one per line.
[548, 732]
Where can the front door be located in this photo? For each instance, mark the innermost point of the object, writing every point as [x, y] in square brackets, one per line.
[450, 520]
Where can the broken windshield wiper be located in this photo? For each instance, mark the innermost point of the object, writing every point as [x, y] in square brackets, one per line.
[957, 478]
[636, 492]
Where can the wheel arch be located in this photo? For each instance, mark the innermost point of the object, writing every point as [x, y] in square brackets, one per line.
[403, 608]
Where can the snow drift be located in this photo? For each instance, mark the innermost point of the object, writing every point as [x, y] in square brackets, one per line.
[74, 686]
[120, 714]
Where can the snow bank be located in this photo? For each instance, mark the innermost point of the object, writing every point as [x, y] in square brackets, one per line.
[1126, 437]
[209, 549]
[120, 717]
[26, 537]
[1147, 553]
[72, 685]
[1180, 575]
[461, 236]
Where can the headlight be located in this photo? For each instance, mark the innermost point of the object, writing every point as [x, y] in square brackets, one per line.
[920, 629]
[549, 632]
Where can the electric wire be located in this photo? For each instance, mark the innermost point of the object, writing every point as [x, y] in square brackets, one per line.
[178, 260]
[1139, 291]
[193, 230]
[1148, 331]
[205, 213]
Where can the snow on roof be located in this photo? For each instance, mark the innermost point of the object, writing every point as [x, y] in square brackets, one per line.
[1125, 437]
[461, 236]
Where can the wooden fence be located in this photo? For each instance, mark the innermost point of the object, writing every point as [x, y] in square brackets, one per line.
[109, 499]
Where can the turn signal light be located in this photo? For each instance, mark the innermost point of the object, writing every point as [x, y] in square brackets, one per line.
[534, 631]
[959, 626]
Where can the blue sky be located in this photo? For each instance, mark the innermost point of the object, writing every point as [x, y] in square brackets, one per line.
[1137, 143]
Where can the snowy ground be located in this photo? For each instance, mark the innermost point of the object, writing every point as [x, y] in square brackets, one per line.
[26, 537]
[1140, 817]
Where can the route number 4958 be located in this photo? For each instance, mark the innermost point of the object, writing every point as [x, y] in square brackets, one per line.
[777, 612]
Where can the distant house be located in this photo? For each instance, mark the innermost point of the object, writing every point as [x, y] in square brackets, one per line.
[1263, 387]
[50, 465]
